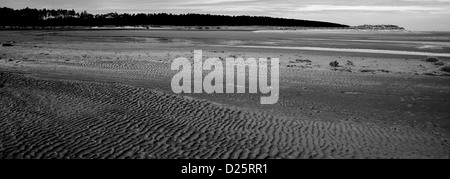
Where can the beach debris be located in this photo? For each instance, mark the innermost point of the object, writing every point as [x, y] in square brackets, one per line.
[303, 63]
[367, 71]
[446, 68]
[350, 63]
[431, 74]
[384, 71]
[334, 64]
[431, 59]
[303, 60]
[216, 51]
[439, 63]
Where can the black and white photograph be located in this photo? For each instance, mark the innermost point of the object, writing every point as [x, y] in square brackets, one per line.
[224, 79]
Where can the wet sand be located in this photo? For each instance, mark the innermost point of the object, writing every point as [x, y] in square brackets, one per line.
[106, 94]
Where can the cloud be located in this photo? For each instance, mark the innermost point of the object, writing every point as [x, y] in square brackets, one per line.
[369, 8]
[353, 12]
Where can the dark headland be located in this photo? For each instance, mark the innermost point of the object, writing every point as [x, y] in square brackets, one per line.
[15, 18]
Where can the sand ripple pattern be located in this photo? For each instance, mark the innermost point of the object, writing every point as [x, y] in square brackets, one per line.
[68, 119]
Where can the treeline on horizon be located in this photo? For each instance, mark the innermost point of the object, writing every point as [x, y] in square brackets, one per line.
[62, 17]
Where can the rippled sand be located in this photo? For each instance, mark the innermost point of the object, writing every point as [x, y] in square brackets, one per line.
[107, 95]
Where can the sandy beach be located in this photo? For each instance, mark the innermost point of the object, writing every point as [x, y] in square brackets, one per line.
[107, 94]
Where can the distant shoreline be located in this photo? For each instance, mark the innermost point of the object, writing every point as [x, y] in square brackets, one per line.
[199, 28]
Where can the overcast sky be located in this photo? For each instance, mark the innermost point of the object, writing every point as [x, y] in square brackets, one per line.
[413, 14]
